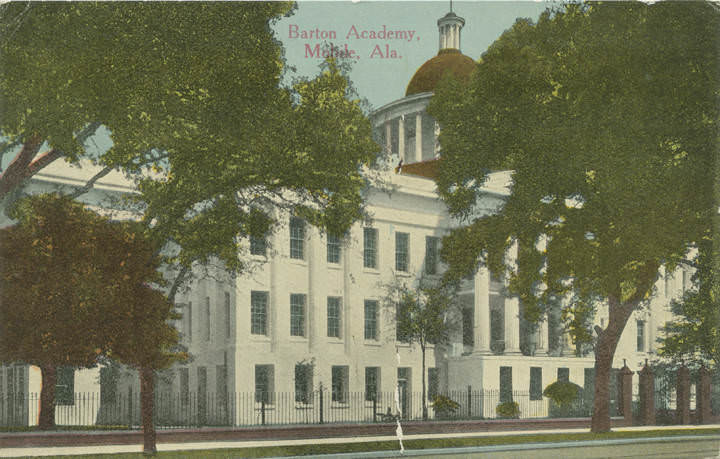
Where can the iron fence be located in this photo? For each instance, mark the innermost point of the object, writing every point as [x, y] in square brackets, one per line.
[176, 410]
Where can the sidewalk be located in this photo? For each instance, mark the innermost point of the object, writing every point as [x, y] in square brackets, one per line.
[187, 446]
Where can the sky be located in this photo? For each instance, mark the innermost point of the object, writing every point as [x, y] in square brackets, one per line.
[383, 79]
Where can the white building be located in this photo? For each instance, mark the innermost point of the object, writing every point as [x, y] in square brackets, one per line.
[311, 314]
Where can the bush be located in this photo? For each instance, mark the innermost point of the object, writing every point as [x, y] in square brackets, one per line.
[444, 406]
[563, 393]
[508, 410]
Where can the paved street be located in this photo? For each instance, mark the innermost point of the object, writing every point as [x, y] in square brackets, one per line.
[689, 447]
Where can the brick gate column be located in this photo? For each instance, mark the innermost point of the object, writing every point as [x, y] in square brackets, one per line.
[683, 396]
[647, 395]
[703, 396]
[626, 395]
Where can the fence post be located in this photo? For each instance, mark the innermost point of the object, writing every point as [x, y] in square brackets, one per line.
[626, 376]
[683, 395]
[130, 413]
[469, 400]
[703, 396]
[647, 395]
[321, 406]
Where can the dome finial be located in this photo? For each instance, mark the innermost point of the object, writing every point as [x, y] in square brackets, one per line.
[449, 27]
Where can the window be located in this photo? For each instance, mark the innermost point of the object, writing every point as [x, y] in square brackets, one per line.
[505, 384]
[303, 383]
[227, 315]
[370, 319]
[185, 385]
[340, 384]
[189, 321]
[668, 279]
[589, 386]
[370, 239]
[685, 278]
[641, 336]
[402, 249]
[258, 246]
[433, 383]
[297, 238]
[221, 385]
[431, 254]
[372, 383]
[333, 317]
[108, 385]
[207, 318]
[333, 249]
[402, 334]
[258, 313]
[563, 374]
[535, 383]
[467, 326]
[65, 386]
[264, 383]
[297, 315]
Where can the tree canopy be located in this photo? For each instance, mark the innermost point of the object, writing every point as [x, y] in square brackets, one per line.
[75, 286]
[607, 115]
[191, 91]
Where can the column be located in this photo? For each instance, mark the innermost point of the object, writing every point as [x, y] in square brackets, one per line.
[418, 137]
[316, 299]
[481, 292]
[274, 296]
[401, 137]
[348, 257]
[542, 338]
[436, 137]
[388, 137]
[512, 310]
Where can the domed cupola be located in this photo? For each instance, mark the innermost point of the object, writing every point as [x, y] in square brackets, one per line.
[409, 135]
[449, 58]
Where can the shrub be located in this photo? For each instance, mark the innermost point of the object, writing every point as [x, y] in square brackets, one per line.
[444, 406]
[563, 393]
[508, 410]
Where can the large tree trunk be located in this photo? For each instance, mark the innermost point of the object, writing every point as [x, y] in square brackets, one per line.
[46, 418]
[604, 352]
[147, 401]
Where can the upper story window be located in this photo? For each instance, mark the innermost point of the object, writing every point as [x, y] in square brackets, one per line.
[370, 247]
[333, 249]
[258, 313]
[641, 336]
[402, 250]
[333, 316]
[297, 314]
[297, 238]
[432, 246]
[371, 307]
[258, 246]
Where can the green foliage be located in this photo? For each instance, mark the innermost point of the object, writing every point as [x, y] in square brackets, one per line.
[694, 336]
[564, 393]
[584, 107]
[191, 94]
[444, 406]
[508, 410]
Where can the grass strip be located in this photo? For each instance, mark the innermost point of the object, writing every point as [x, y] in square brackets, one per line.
[417, 444]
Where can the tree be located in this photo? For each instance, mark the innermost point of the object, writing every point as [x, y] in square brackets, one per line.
[146, 341]
[64, 273]
[607, 116]
[695, 334]
[423, 315]
[156, 75]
